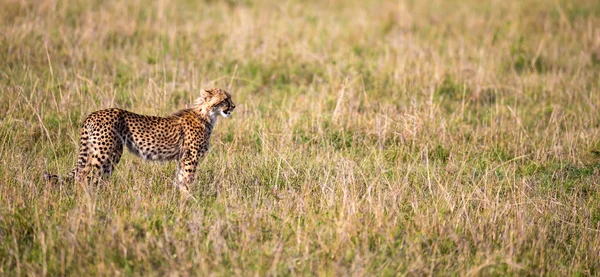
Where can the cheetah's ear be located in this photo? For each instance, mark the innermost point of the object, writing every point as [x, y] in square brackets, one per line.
[208, 91]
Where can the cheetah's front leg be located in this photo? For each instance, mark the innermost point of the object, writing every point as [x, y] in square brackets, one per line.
[186, 173]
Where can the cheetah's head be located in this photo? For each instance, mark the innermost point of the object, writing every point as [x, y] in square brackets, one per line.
[217, 101]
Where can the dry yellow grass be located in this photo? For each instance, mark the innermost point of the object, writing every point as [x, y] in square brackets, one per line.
[370, 138]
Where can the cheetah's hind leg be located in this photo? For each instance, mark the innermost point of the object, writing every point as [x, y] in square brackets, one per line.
[114, 157]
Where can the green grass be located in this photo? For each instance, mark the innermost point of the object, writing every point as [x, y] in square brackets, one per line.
[370, 138]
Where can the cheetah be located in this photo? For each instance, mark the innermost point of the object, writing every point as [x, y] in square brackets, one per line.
[183, 136]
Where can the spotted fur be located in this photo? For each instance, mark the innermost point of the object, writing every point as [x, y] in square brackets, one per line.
[183, 136]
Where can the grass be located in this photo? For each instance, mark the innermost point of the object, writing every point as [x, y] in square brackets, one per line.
[370, 138]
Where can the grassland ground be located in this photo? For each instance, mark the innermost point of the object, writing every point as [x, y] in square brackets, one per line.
[371, 137]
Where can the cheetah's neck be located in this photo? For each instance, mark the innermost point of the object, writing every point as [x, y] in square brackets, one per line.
[212, 115]
[209, 116]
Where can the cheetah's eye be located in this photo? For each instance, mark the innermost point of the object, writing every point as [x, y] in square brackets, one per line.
[226, 104]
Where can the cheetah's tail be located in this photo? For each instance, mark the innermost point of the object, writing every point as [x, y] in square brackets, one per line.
[56, 179]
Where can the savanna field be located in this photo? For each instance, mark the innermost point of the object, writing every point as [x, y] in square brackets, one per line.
[369, 138]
